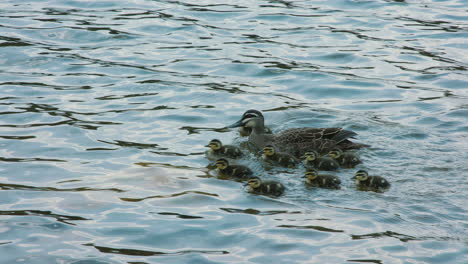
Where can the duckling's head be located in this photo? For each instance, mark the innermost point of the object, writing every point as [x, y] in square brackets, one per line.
[222, 164]
[361, 175]
[335, 153]
[249, 119]
[310, 155]
[214, 144]
[254, 182]
[311, 174]
[269, 150]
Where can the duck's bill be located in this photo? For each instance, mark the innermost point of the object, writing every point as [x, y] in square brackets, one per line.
[236, 124]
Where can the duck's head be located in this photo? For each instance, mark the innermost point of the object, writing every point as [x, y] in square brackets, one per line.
[310, 155]
[361, 175]
[222, 164]
[335, 153]
[250, 118]
[214, 144]
[268, 150]
[254, 182]
[311, 174]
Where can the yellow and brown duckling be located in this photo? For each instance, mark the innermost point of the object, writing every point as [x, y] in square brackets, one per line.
[218, 150]
[233, 171]
[270, 155]
[345, 159]
[256, 185]
[364, 181]
[321, 180]
[312, 160]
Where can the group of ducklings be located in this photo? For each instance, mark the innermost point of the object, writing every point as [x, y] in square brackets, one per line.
[296, 153]
[311, 160]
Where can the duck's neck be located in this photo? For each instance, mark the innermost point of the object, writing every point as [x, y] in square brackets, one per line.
[258, 138]
[258, 135]
[259, 128]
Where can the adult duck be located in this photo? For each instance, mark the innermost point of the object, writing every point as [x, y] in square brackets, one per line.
[296, 141]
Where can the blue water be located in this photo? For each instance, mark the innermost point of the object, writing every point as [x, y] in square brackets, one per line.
[106, 106]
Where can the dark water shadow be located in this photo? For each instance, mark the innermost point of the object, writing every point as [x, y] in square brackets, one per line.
[137, 252]
[318, 228]
[29, 160]
[130, 144]
[366, 261]
[167, 196]
[182, 216]
[196, 130]
[61, 218]
[258, 212]
[401, 237]
[18, 137]
[4, 186]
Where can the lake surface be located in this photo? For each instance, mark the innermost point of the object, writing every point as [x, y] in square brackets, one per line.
[106, 108]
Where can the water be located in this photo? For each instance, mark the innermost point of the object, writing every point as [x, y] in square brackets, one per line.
[106, 107]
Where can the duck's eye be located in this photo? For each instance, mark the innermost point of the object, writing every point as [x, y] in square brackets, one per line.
[250, 115]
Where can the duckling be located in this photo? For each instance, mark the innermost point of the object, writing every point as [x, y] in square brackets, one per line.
[218, 150]
[323, 181]
[256, 185]
[345, 159]
[312, 160]
[234, 171]
[364, 181]
[269, 154]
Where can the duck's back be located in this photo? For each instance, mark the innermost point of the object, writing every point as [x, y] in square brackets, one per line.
[298, 149]
[297, 141]
[306, 134]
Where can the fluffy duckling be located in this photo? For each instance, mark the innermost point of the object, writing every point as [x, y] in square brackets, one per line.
[270, 155]
[364, 181]
[322, 181]
[256, 185]
[312, 160]
[345, 159]
[218, 150]
[233, 171]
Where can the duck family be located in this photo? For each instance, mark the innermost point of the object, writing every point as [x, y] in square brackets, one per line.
[316, 149]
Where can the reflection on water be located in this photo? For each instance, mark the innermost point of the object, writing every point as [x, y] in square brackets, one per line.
[106, 108]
